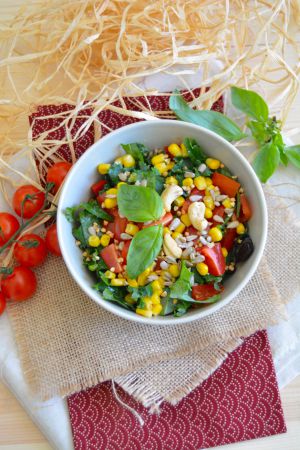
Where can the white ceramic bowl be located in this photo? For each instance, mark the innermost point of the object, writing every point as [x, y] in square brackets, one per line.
[157, 134]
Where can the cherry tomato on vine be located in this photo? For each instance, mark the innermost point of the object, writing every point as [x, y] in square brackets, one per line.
[30, 250]
[52, 240]
[57, 173]
[8, 226]
[19, 285]
[2, 303]
[28, 200]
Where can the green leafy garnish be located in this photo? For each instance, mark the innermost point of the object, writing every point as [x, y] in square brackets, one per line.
[113, 173]
[116, 295]
[143, 249]
[94, 208]
[194, 150]
[266, 161]
[136, 150]
[182, 285]
[211, 120]
[293, 154]
[139, 203]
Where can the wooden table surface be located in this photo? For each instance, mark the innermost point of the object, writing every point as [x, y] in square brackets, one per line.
[18, 432]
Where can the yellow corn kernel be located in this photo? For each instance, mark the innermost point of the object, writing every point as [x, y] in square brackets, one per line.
[208, 201]
[143, 312]
[202, 268]
[186, 220]
[208, 181]
[156, 287]
[110, 275]
[143, 277]
[161, 167]
[94, 241]
[188, 182]
[240, 229]
[224, 252]
[180, 228]
[104, 240]
[110, 203]
[161, 281]
[120, 183]
[103, 168]
[212, 163]
[208, 213]
[171, 180]
[166, 230]
[112, 191]
[200, 183]
[208, 189]
[179, 201]
[156, 309]
[226, 203]
[155, 298]
[215, 234]
[131, 229]
[118, 282]
[175, 234]
[128, 161]
[132, 282]
[174, 270]
[148, 303]
[119, 160]
[175, 150]
[129, 299]
[157, 159]
[184, 150]
[170, 165]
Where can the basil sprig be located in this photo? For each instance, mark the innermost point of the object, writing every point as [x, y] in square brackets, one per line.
[144, 248]
[265, 130]
[212, 120]
[139, 203]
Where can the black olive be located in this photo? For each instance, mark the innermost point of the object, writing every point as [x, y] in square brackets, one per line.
[243, 250]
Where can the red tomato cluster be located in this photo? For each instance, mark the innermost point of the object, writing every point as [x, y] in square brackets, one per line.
[30, 250]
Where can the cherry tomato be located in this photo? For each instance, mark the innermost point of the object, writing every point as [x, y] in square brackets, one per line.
[120, 224]
[110, 257]
[227, 185]
[218, 211]
[52, 240]
[19, 285]
[29, 200]
[57, 173]
[229, 238]
[124, 252]
[204, 291]
[246, 211]
[2, 303]
[96, 187]
[214, 259]
[30, 250]
[8, 226]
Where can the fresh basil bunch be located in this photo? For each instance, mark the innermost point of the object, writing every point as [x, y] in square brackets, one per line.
[264, 129]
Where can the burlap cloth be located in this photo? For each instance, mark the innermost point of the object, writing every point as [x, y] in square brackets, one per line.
[67, 343]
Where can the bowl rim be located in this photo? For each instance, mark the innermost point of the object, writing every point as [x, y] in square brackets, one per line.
[167, 320]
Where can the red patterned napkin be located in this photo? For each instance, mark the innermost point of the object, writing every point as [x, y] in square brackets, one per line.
[240, 401]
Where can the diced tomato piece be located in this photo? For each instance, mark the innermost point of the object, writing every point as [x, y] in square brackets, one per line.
[227, 185]
[205, 291]
[120, 226]
[214, 259]
[191, 230]
[218, 211]
[96, 187]
[100, 199]
[165, 220]
[157, 265]
[110, 257]
[113, 211]
[246, 211]
[229, 238]
[196, 191]
[185, 206]
[111, 227]
[125, 250]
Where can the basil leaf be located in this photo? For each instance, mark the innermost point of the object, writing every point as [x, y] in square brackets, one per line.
[266, 161]
[116, 295]
[144, 248]
[139, 203]
[194, 150]
[212, 120]
[183, 284]
[250, 103]
[136, 150]
[293, 154]
[93, 208]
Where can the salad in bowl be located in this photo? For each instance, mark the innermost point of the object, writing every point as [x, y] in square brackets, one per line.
[163, 229]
